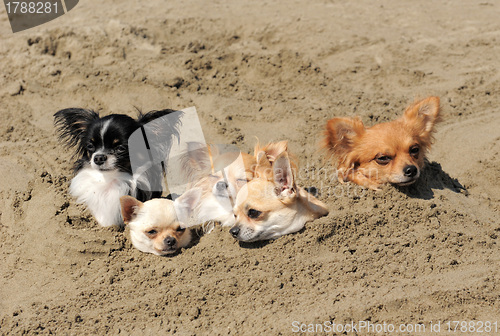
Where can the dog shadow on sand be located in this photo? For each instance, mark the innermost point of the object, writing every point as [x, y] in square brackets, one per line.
[432, 177]
[255, 245]
[199, 231]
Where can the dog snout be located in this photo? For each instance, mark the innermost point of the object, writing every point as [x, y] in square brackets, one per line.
[99, 159]
[234, 231]
[170, 241]
[410, 171]
[221, 186]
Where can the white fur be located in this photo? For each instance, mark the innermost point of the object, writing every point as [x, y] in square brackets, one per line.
[109, 164]
[161, 212]
[216, 206]
[105, 127]
[100, 191]
[213, 208]
[153, 212]
[185, 204]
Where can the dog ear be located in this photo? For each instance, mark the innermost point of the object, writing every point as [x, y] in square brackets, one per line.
[263, 166]
[273, 149]
[152, 115]
[130, 208]
[71, 125]
[315, 207]
[341, 135]
[423, 114]
[185, 204]
[284, 178]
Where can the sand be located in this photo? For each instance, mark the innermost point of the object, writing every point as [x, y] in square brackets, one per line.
[423, 254]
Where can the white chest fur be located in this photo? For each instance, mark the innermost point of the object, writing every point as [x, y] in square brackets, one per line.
[100, 191]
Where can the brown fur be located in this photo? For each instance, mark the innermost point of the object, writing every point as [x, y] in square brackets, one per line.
[266, 155]
[356, 150]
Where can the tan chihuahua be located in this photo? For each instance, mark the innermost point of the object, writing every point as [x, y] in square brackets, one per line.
[272, 205]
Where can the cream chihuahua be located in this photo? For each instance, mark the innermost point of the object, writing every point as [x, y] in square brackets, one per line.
[158, 225]
[220, 176]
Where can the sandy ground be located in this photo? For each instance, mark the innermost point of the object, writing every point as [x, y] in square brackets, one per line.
[420, 254]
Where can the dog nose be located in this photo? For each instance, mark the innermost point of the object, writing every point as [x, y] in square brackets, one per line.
[234, 231]
[221, 186]
[410, 171]
[99, 159]
[170, 241]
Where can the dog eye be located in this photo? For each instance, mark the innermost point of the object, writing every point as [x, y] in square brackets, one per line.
[414, 150]
[180, 229]
[120, 148]
[90, 147]
[252, 213]
[383, 160]
[241, 182]
[151, 232]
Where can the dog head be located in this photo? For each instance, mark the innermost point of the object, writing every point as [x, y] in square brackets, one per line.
[269, 208]
[390, 152]
[101, 143]
[232, 175]
[156, 226]
[220, 177]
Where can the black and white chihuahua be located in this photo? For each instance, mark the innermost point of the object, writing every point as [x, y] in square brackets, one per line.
[103, 171]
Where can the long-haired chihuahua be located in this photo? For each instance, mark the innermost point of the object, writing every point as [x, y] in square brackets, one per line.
[391, 152]
[102, 169]
[272, 204]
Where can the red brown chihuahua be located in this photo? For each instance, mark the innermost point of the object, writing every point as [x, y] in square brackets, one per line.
[390, 152]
